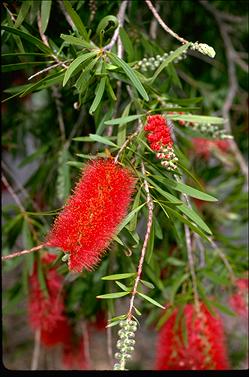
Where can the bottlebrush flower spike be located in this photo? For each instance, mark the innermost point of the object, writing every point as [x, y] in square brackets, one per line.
[204, 147]
[159, 138]
[206, 346]
[47, 313]
[92, 214]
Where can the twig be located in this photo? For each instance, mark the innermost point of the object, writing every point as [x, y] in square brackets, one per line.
[45, 40]
[162, 23]
[120, 17]
[13, 194]
[146, 239]
[56, 94]
[67, 17]
[20, 187]
[86, 345]
[154, 23]
[224, 258]
[36, 353]
[46, 69]
[233, 84]
[124, 145]
[23, 252]
[190, 253]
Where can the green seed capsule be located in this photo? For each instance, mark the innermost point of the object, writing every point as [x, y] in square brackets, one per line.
[118, 356]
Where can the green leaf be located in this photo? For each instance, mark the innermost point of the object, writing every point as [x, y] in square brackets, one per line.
[49, 80]
[74, 65]
[176, 286]
[127, 44]
[19, 66]
[45, 13]
[133, 222]
[137, 311]
[122, 127]
[129, 217]
[101, 139]
[175, 262]
[119, 276]
[168, 60]
[33, 156]
[77, 41]
[150, 246]
[22, 13]
[182, 187]
[76, 19]
[147, 283]
[114, 295]
[150, 300]
[122, 286]
[35, 41]
[122, 120]
[129, 72]
[98, 95]
[216, 278]
[63, 179]
[197, 118]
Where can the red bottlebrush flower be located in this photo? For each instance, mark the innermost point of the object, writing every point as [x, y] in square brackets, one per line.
[158, 132]
[92, 214]
[159, 138]
[239, 300]
[206, 346]
[204, 147]
[47, 313]
[74, 356]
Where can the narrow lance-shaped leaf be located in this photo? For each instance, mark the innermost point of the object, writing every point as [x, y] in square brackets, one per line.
[119, 276]
[150, 300]
[45, 13]
[98, 96]
[76, 19]
[35, 41]
[129, 72]
[113, 295]
[74, 65]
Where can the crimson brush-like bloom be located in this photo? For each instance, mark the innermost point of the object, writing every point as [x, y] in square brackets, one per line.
[92, 213]
[46, 312]
[205, 348]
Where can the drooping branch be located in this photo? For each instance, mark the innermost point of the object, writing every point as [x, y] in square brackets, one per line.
[162, 23]
[232, 58]
[146, 239]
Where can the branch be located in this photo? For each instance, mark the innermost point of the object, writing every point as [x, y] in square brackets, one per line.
[162, 23]
[232, 58]
[47, 69]
[23, 252]
[86, 345]
[13, 194]
[56, 94]
[146, 239]
[120, 17]
[37, 348]
[190, 252]
[124, 145]
[154, 24]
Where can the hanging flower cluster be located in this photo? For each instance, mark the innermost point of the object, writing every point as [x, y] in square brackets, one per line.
[47, 314]
[204, 147]
[239, 300]
[160, 141]
[92, 214]
[205, 346]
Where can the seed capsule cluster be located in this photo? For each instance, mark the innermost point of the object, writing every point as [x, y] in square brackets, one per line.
[168, 158]
[150, 64]
[125, 343]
